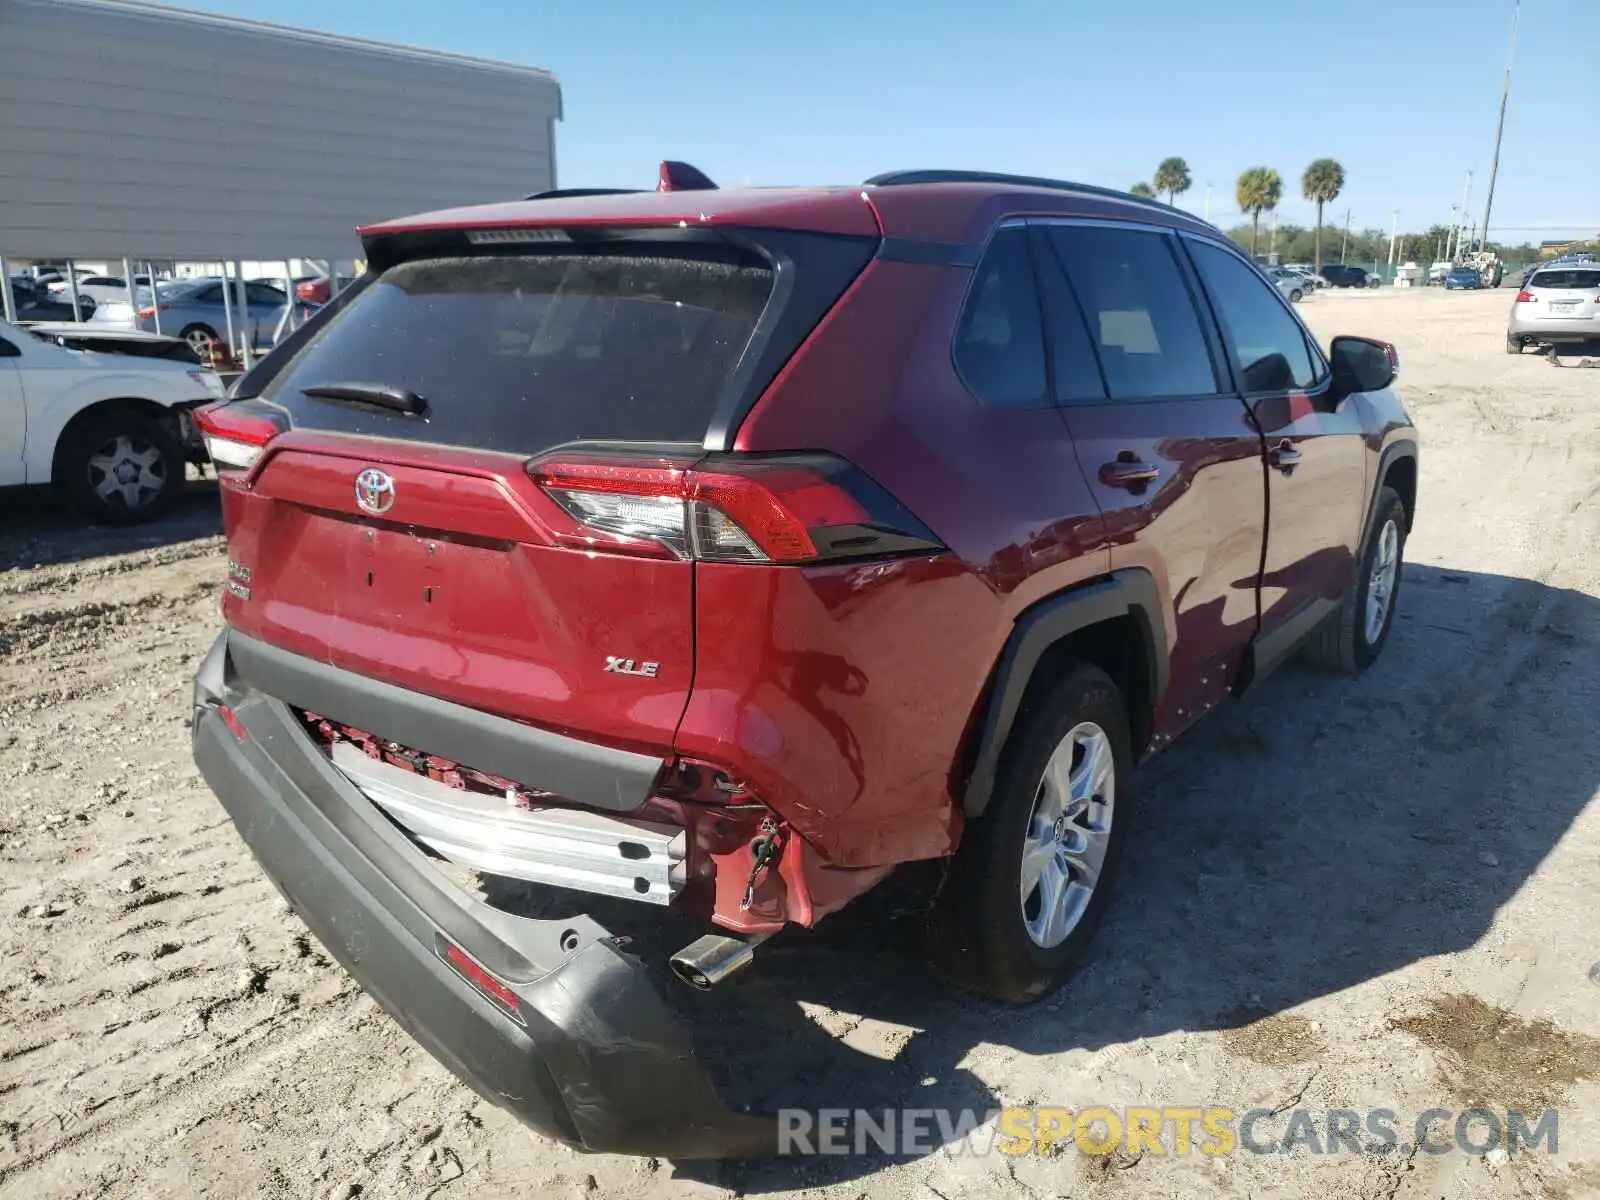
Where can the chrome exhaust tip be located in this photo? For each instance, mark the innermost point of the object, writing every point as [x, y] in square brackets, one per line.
[706, 962]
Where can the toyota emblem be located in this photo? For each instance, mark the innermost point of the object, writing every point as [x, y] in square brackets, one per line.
[375, 490]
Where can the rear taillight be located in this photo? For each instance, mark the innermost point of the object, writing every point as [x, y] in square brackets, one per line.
[147, 311]
[789, 509]
[234, 435]
[1524, 297]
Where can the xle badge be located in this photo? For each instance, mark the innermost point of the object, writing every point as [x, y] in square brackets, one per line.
[626, 666]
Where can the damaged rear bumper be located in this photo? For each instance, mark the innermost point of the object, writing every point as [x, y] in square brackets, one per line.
[549, 1019]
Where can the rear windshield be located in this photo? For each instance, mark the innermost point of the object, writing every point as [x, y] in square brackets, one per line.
[522, 352]
[1567, 278]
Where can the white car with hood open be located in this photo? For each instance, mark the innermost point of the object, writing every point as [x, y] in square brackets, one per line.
[113, 433]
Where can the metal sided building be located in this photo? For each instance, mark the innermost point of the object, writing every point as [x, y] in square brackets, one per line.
[135, 130]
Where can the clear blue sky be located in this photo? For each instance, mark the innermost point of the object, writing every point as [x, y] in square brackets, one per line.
[1403, 92]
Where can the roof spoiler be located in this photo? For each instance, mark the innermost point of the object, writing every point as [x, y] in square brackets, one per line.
[681, 177]
[671, 177]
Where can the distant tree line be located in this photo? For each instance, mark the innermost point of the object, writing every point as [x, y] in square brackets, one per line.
[1259, 190]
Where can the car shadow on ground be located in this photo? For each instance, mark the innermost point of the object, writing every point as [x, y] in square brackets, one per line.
[1319, 835]
[38, 530]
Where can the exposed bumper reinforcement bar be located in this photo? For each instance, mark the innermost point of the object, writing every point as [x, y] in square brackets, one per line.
[549, 1019]
[565, 847]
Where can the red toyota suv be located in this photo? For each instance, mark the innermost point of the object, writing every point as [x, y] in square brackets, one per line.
[726, 549]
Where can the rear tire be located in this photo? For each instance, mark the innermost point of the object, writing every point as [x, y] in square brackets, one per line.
[201, 339]
[1063, 797]
[1351, 639]
[1513, 344]
[119, 467]
[1294, 296]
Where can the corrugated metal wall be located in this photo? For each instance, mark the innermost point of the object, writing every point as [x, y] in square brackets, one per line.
[131, 129]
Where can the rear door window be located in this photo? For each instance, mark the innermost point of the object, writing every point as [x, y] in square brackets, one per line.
[1140, 315]
[522, 352]
[1074, 367]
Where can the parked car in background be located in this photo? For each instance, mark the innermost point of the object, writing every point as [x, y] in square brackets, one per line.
[1556, 305]
[1458, 278]
[111, 432]
[35, 304]
[102, 289]
[194, 310]
[1291, 283]
[1344, 276]
[726, 573]
[1309, 271]
[320, 289]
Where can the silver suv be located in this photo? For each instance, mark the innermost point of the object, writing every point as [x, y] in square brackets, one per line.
[1556, 304]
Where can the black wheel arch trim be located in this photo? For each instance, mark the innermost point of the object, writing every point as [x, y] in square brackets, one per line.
[1040, 627]
[1392, 453]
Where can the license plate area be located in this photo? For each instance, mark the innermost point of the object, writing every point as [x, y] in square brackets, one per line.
[401, 576]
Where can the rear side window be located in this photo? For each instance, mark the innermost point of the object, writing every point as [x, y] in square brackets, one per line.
[520, 353]
[1266, 340]
[999, 348]
[1074, 368]
[1140, 315]
[1567, 278]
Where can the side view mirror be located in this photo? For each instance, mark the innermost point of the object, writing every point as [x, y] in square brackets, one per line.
[1362, 365]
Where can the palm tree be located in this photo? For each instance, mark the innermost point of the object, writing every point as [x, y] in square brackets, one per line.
[1172, 177]
[1321, 184]
[1142, 189]
[1258, 190]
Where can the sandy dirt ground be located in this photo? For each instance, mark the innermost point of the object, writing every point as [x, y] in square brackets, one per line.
[1343, 894]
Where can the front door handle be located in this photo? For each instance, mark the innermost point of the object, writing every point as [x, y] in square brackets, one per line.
[1127, 473]
[1285, 457]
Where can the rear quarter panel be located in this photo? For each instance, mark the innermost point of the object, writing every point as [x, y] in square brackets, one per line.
[865, 682]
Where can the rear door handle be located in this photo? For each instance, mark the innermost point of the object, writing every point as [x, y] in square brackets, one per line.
[1285, 457]
[1127, 474]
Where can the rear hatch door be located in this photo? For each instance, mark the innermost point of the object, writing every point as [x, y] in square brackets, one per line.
[416, 548]
[1567, 293]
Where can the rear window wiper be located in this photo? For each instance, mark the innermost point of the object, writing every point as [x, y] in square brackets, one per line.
[381, 395]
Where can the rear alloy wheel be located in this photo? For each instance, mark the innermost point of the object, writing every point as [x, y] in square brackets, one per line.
[120, 468]
[1034, 872]
[1294, 296]
[1064, 850]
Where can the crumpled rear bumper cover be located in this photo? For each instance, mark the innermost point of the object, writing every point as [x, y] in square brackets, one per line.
[588, 1053]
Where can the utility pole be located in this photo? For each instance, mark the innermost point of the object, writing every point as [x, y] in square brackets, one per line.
[1394, 228]
[1208, 203]
[1500, 126]
[1466, 191]
[1344, 245]
[1272, 240]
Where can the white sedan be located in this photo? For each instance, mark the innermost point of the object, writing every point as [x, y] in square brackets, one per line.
[111, 432]
[102, 289]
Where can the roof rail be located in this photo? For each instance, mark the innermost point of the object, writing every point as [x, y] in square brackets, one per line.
[908, 178]
[563, 193]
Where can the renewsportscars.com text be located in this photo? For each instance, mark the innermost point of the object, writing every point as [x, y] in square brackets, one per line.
[1169, 1130]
